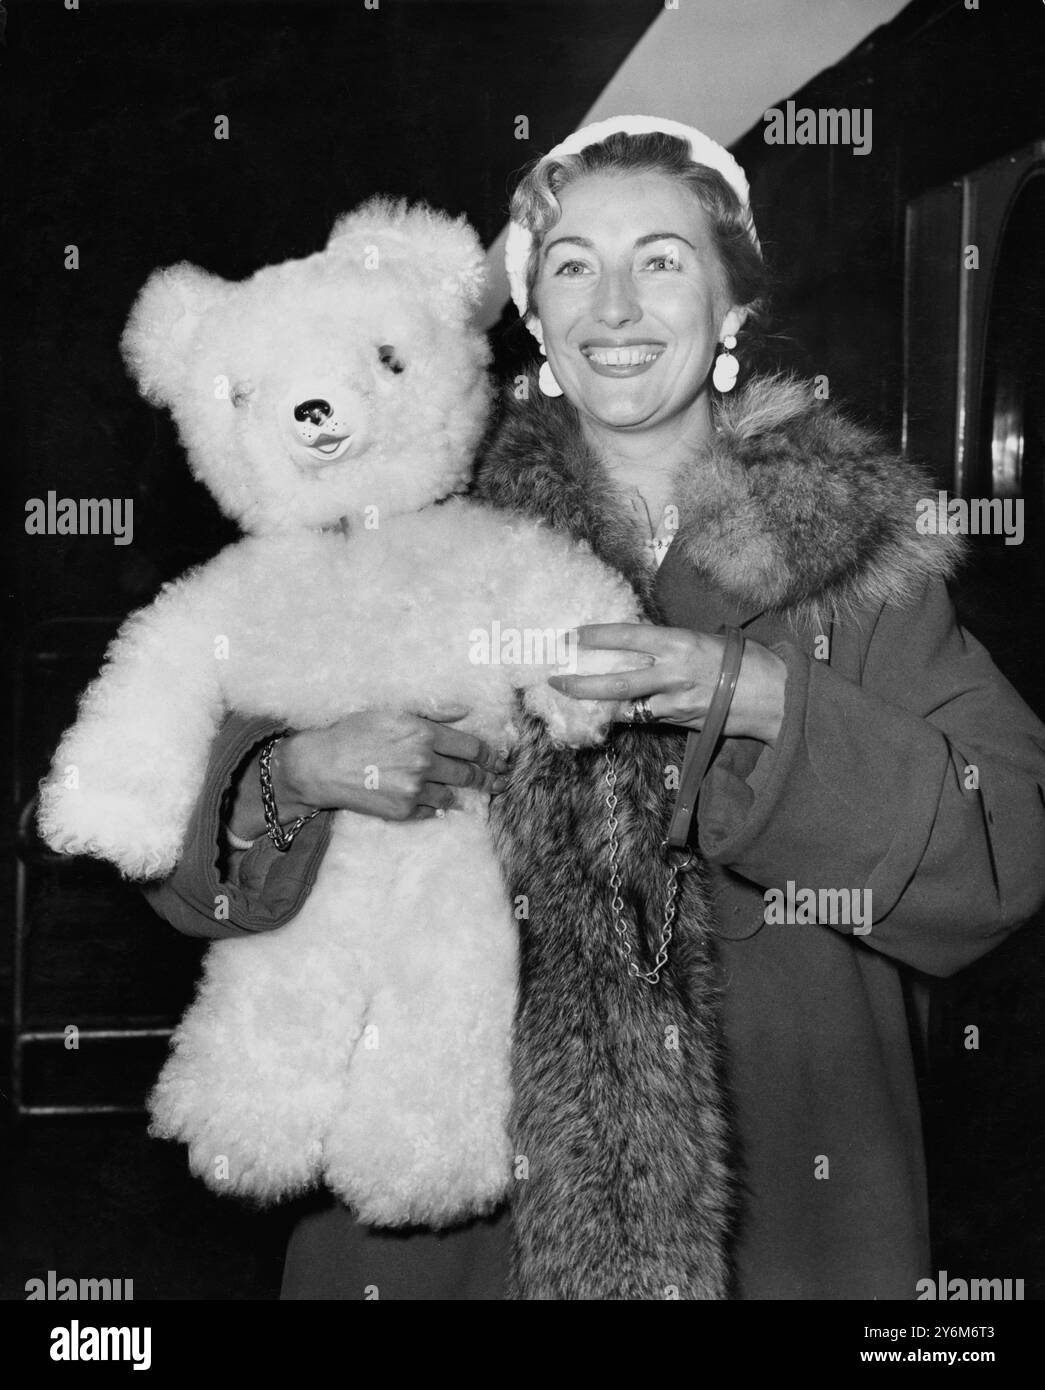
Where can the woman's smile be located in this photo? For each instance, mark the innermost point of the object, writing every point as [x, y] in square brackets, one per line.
[632, 358]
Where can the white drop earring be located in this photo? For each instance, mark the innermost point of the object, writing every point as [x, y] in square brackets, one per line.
[727, 368]
[546, 380]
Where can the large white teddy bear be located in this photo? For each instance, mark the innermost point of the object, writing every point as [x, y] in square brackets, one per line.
[329, 404]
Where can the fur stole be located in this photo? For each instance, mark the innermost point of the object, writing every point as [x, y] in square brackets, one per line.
[794, 508]
[619, 1123]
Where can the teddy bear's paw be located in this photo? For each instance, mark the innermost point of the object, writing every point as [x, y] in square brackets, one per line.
[576, 723]
[66, 829]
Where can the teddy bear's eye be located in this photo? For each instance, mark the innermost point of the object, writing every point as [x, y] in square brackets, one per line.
[387, 353]
[240, 393]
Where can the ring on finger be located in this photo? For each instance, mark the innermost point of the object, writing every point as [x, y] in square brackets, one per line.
[640, 712]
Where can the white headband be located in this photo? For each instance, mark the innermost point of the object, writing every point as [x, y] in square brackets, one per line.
[703, 150]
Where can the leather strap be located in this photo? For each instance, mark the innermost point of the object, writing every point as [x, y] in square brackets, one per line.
[700, 748]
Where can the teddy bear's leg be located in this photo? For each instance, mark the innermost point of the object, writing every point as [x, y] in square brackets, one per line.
[421, 1136]
[258, 1063]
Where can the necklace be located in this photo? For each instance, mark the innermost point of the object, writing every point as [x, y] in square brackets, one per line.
[649, 518]
[660, 537]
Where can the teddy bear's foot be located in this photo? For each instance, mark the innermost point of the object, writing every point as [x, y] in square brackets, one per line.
[244, 1150]
[257, 1067]
[424, 1144]
[423, 1178]
[420, 1134]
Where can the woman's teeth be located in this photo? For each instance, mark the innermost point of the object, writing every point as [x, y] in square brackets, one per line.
[622, 357]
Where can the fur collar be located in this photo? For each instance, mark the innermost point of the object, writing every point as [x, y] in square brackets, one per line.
[794, 509]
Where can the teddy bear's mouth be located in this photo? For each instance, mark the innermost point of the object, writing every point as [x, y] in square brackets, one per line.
[326, 449]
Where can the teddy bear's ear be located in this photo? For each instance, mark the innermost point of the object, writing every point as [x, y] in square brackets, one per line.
[445, 252]
[157, 340]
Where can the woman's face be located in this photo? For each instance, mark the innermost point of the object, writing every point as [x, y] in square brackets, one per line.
[632, 299]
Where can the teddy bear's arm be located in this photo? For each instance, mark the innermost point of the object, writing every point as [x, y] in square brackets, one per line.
[556, 586]
[126, 775]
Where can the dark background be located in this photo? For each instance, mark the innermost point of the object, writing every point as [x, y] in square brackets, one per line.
[107, 119]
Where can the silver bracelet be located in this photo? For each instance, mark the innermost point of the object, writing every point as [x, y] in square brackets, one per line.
[281, 837]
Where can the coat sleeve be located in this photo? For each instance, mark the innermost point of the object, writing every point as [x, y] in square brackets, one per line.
[924, 782]
[262, 888]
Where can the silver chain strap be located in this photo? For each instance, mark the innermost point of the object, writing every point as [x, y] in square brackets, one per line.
[651, 977]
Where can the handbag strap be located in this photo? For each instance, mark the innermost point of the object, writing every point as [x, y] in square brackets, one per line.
[700, 748]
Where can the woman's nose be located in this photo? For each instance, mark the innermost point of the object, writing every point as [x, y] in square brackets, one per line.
[616, 300]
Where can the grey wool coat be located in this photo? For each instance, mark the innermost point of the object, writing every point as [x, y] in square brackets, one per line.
[800, 528]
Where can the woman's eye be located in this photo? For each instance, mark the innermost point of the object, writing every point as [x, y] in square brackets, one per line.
[387, 355]
[667, 260]
[571, 268]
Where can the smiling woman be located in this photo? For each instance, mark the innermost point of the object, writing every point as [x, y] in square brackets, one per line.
[714, 1090]
[634, 260]
[638, 265]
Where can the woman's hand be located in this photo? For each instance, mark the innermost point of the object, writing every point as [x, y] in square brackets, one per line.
[383, 763]
[679, 674]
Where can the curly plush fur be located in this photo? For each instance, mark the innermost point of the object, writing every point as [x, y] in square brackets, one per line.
[365, 1044]
[628, 1192]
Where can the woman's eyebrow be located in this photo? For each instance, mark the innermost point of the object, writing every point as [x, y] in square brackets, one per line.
[641, 241]
[573, 240]
[664, 236]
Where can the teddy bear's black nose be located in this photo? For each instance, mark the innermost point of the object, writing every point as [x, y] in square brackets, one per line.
[317, 411]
